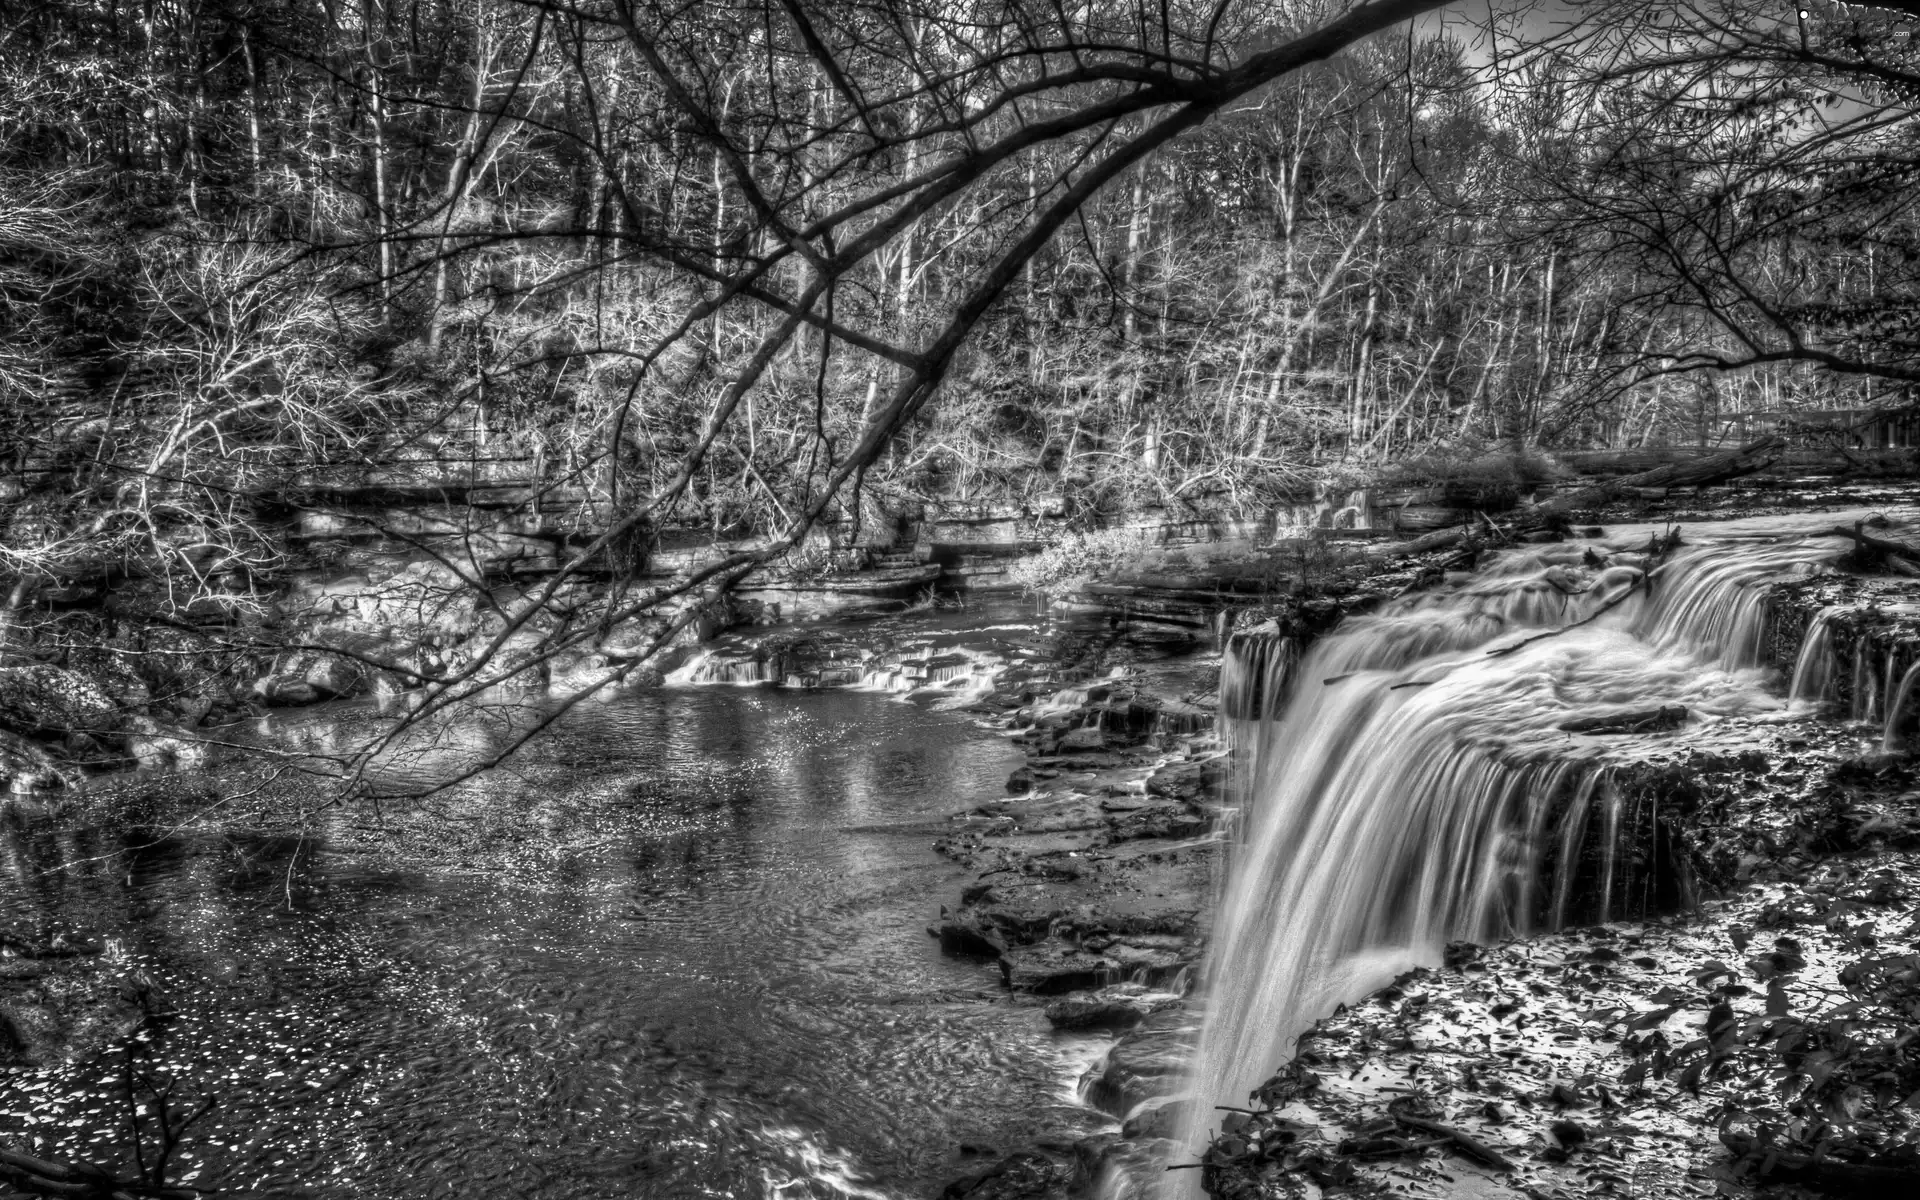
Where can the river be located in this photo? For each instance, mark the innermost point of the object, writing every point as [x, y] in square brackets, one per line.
[690, 960]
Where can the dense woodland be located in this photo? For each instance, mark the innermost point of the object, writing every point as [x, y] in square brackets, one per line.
[750, 266]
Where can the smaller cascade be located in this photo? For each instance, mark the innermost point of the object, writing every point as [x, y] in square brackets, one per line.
[948, 669]
[1066, 699]
[1713, 596]
[885, 677]
[1176, 720]
[1901, 713]
[1866, 697]
[1813, 669]
[1254, 673]
[710, 666]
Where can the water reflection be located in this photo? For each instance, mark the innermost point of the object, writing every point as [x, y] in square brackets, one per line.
[651, 959]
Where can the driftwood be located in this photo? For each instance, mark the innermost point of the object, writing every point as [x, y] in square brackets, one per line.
[1826, 1176]
[1896, 556]
[43, 1178]
[1653, 720]
[1699, 472]
[1466, 1144]
[1388, 1147]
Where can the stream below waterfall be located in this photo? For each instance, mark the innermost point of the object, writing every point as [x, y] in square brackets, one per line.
[709, 975]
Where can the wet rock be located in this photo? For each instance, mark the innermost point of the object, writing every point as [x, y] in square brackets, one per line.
[964, 938]
[1189, 780]
[1020, 781]
[155, 745]
[1078, 1013]
[1022, 1176]
[307, 676]
[1151, 958]
[1119, 1007]
[1158, 1117]
[1125, 1168]
[1148, 1062]
[285, 693]
[1158, 821]
[1051, 967]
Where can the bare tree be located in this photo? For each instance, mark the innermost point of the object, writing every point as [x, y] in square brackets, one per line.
[1748, 177]
[830, 144]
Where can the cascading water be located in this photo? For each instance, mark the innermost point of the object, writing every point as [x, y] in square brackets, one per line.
[1813, 669]
[1406, 782]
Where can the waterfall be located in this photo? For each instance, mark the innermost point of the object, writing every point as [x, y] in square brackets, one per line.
[1253, 674]
[1894, 738]
[1405, 782]
[1813, 668]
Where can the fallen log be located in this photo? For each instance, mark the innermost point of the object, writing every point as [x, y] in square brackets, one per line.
[1388, 1147]
[41, 1177]
[1699, 472]
[1653, 720]
[1870, 551]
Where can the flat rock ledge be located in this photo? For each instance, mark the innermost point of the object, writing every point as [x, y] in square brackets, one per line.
[1090, 892]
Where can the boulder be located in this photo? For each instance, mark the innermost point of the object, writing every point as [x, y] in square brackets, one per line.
[1151, 1061]
[51, 702]
[181, 664]
[155, 745]
[305, 676]
[110, 670]
[26, 766]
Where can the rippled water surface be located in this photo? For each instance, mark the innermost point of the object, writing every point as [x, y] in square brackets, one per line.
[704, 972]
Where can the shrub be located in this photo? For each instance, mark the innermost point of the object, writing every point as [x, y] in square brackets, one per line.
[1078, 557]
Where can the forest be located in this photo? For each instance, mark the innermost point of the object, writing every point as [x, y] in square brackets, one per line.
[752, 267]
